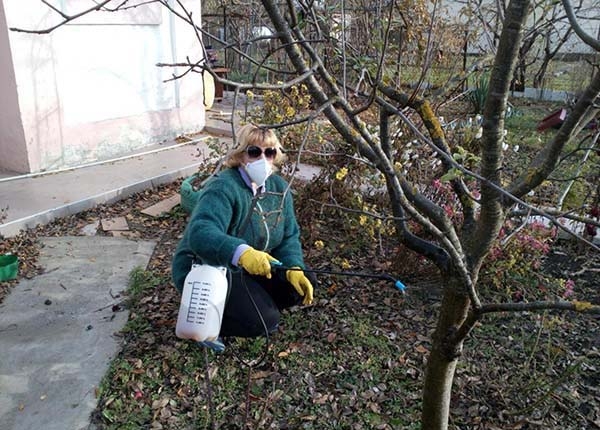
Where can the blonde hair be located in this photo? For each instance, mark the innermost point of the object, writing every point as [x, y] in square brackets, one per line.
[251, 135]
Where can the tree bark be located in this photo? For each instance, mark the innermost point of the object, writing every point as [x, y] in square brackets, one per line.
[491, 216]
[443, 358]
[437, 391]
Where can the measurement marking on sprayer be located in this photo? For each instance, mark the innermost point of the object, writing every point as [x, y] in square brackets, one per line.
[198, 304]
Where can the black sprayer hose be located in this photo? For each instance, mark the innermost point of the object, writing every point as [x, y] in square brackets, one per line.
[384, 276]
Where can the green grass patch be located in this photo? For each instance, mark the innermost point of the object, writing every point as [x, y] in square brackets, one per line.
[139, 281]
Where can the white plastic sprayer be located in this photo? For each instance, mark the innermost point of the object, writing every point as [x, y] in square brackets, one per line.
[202, 303]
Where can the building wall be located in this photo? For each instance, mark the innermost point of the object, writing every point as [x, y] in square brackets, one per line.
[12, 138]
[91, 90]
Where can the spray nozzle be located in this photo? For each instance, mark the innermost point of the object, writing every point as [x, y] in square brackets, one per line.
[400, 286]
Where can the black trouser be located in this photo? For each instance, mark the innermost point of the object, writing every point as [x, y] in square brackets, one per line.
[253, 300]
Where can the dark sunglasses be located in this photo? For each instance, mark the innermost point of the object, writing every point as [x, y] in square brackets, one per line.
[255, 152]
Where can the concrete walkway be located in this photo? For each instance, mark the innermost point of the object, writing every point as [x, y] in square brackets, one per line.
[57, 331]
[38, 199]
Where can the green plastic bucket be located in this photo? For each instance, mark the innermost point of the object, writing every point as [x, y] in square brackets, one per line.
[189, 195]
[9, 267]
[190, 190]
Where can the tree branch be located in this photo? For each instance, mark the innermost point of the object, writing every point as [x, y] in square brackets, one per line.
[546, 160]
[491, 214]
[66, 19]
[575, 306]
[586, 38]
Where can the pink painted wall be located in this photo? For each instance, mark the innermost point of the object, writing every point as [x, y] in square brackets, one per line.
[92, 91]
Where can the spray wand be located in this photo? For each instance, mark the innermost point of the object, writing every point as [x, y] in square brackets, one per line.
[384, 276]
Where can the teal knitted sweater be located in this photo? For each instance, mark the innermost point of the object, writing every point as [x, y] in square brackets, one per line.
[228, 215]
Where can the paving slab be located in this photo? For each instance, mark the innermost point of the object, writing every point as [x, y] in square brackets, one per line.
[163, 206]
[57, 331]
[115, 224]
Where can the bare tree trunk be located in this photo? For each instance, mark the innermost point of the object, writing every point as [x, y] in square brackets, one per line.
[437, 391]
[443, 358]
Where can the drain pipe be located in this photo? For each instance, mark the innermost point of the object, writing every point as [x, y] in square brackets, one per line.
[96, 163]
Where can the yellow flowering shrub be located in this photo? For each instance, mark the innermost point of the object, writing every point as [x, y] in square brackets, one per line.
[341, 174]
[281, 107]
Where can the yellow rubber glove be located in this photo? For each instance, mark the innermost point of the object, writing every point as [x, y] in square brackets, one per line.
[256, 262]
[301, 284]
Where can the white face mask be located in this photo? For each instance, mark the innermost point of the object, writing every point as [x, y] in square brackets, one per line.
[259, 171]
